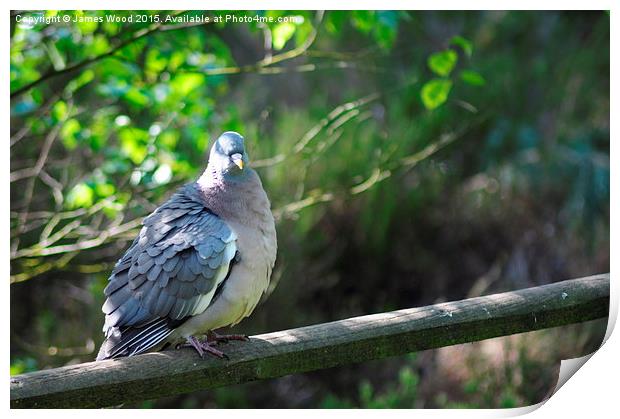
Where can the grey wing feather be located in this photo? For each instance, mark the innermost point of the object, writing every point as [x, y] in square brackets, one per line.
[171, 271]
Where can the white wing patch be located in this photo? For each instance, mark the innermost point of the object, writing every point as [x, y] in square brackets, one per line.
[229, 253]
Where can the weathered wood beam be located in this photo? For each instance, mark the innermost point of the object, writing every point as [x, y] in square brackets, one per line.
[326, 345]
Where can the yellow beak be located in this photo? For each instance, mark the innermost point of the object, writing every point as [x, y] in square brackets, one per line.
[238, 160]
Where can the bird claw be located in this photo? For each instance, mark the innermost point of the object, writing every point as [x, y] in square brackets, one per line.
[203, 347]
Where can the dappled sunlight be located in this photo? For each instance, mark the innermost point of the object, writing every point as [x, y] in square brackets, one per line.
[431, 175]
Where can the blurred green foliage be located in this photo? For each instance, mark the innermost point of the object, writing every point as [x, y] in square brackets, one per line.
[410, 157]
[401, 396]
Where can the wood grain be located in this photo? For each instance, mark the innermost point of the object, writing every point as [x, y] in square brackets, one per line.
[358, 339]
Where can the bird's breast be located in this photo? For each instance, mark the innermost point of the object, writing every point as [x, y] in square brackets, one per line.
[250, 275]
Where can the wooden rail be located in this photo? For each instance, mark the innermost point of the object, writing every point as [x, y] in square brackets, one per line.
[149, 376]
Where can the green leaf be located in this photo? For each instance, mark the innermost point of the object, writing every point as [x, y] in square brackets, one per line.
[408, 380]
[168, 139]
[98, 46]
[81, 196]
[55, 56]
[59, 111]
[136, 97]
[87, 27]
[442, 63]
[303, 31]
[155, 61]
[386, 29]
[364, 20]
[381, 25]
[84, 78]
[133, 143]
[20, 366]
[69, 133]
[104, 190]
[365, 392]
[281, 33]
[335, 20]
[183, 84]
[508, 399]
[435, 92]
[111, 209]
[472, 77]
[464, 43]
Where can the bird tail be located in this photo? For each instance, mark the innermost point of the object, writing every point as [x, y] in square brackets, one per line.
[134, 340]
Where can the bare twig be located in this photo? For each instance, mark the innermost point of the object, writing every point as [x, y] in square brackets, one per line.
[42, 267]
[296, 206]
[36, 169]
[295, 52]
[42, 110]
[142, 33]
[55, 185]
[33, 172]
[378, 174]
[265, 66]
[261, 66]
[80, 245]
[312, 133]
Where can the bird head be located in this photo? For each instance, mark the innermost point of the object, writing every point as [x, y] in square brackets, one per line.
[228, 155]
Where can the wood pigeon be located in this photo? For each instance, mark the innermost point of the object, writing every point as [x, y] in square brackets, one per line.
[202, 261]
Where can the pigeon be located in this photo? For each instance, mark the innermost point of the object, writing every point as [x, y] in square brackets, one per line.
[201, 261]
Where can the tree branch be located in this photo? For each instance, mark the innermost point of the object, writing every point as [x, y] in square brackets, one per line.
[316, 347]
[136, 37]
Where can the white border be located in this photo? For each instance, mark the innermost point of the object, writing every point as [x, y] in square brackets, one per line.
[591, 392]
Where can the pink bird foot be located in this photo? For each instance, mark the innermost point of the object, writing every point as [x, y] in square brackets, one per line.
[203, 347]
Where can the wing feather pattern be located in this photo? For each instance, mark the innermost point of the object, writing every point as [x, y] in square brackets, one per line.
[171, 271]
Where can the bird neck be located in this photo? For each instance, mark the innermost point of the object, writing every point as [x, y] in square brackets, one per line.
[213, 178]
[232, 197]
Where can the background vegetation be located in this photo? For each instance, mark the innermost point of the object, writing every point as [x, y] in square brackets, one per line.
[411, 158]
